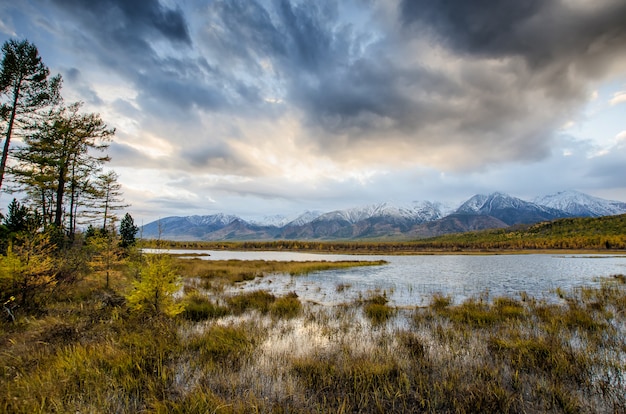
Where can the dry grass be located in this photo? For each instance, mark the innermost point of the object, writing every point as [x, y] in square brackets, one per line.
[255, 352]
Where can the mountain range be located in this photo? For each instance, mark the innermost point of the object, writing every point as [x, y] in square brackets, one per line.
[419, 219]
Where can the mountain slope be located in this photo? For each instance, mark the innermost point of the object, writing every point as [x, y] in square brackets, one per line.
[581, 205]
[510, 210]
[456, 223]
[387, 221]
[181, 228]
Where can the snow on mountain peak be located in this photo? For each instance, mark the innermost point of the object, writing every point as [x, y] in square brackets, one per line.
[581, 204]
[219, 218]
[418, 211]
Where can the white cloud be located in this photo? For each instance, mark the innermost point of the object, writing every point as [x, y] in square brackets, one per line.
[618, 98]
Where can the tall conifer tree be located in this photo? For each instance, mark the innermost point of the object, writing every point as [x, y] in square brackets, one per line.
[25, 88]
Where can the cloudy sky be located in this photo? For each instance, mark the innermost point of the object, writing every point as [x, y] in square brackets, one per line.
[261, 107]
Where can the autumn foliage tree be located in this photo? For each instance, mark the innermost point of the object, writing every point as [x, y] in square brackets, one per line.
[154, 292]
[28, 270]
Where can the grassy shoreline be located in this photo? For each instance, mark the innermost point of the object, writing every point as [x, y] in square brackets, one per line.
[172, 247]
[250, 352]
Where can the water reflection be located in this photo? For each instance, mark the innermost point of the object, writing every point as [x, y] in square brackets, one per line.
[412, 280]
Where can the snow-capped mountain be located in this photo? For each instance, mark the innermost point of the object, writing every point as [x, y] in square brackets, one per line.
[387, 220]
[305, 218]
[511, 210]
[280, 220]
[214, 219]
[277, 220]
[581, 204]
[190, 227]
[485, 204]
[418, 211]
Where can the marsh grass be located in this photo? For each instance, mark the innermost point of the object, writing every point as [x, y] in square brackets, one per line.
[288, 306]
[377, 310]
[259, 300]
[255, 352]
[222, 344]
[198, 308]
[235, 271]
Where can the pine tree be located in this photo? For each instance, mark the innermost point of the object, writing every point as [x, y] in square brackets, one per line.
[106, 198]
[25, 89]
[60, 157]
[128, 231]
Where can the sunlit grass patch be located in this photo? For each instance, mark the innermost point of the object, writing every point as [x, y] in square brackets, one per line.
[288, 306]
[198, 401]
[378, 314]
[198, 307]
[473, 313]
[259, 300]
[376, 309]
[352, 383]
[234, 271]
[439, 301]
[222, 344]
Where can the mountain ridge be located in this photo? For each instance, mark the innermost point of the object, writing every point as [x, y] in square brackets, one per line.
[385, 220]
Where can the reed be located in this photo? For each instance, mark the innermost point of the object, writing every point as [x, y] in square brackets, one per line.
[255, 352]
[235, 271]
[288, 306]
[198, 307]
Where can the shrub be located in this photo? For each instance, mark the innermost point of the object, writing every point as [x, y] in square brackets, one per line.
[154, 292]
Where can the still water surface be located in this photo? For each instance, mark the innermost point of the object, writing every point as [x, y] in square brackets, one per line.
[412, 280]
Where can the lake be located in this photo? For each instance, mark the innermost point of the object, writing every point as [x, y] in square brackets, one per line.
[412, 280]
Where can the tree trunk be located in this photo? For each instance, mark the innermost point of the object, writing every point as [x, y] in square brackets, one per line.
[58, 214]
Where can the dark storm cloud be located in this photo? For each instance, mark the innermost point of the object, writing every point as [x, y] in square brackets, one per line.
[242, 30]
[217, 156]
[510, 64]
[310, 34]
[125, 36]
[543, 32]
[492, 27]
[131, 21]
[314, 54]
[494, 80]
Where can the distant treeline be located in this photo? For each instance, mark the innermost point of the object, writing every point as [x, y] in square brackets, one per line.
[572, 233]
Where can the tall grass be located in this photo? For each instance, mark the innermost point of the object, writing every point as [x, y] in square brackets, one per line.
[255, 352]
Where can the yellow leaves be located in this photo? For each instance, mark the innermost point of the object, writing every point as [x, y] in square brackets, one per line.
[29, 266]
[154, 291]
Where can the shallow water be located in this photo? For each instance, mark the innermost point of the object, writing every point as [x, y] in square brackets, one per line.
[412, 280]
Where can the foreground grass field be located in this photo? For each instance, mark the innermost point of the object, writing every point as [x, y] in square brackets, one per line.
[255, 352]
